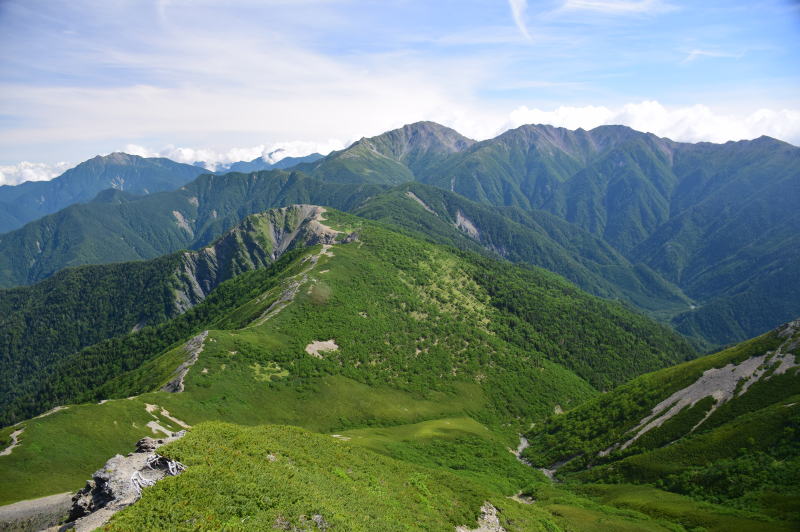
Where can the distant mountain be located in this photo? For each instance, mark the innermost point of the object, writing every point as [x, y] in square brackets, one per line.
[722, 428]
[31, 200]
[259, 164]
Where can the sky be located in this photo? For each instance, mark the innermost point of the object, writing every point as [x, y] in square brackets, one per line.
[213, 81]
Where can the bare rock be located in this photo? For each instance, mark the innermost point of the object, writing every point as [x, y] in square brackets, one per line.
[119, 483]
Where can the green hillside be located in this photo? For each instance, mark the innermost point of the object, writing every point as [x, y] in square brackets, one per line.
[716, 220]
[533, 237]
[413, 365]
[322, 482]
[722, 428]
[420, 332]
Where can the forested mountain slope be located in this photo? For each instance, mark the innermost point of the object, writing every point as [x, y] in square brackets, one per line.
[28, 201]
[533, 237]
[41, 324]
[157, 224]
[117, 227]
[473, 319]
[717, 220]
[722, 428]
[405, 154]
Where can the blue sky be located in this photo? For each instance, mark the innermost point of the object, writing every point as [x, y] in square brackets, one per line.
[217, 81]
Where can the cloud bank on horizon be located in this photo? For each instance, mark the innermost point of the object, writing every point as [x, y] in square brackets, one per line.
[236, 83]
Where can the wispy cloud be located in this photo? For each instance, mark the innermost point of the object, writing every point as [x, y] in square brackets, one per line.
[696, 54]
[618, 6]
[95, 75]
[518, 9]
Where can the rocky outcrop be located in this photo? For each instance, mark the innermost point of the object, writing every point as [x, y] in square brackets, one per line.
[258, 241]
[489, 521]
[119, 483]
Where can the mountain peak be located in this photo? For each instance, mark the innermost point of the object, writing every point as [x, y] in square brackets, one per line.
[116, 157]
[411, 141]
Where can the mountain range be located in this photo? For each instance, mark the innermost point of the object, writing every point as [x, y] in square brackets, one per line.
[694, 234]
[357, 341]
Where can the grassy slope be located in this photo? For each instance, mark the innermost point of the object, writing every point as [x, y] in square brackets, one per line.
[430, 476]
[233, 485]
[421, 334]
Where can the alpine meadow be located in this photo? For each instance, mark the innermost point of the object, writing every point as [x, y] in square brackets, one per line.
[482, 266]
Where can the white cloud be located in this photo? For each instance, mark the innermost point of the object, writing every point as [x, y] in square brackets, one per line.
[28, 171]
[694, 123]
[518, 8]
[618, 6]
[214, 159]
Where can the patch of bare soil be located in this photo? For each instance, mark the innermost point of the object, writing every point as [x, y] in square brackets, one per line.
[316, 347]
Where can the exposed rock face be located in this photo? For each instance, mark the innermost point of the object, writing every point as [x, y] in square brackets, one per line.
[258, 241]
[466, 225]
[723, 384]
[489, 521]
[119, 484]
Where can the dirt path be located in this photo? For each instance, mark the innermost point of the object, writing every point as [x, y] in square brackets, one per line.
[35, 514]
[14, 442]
[193, 349]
